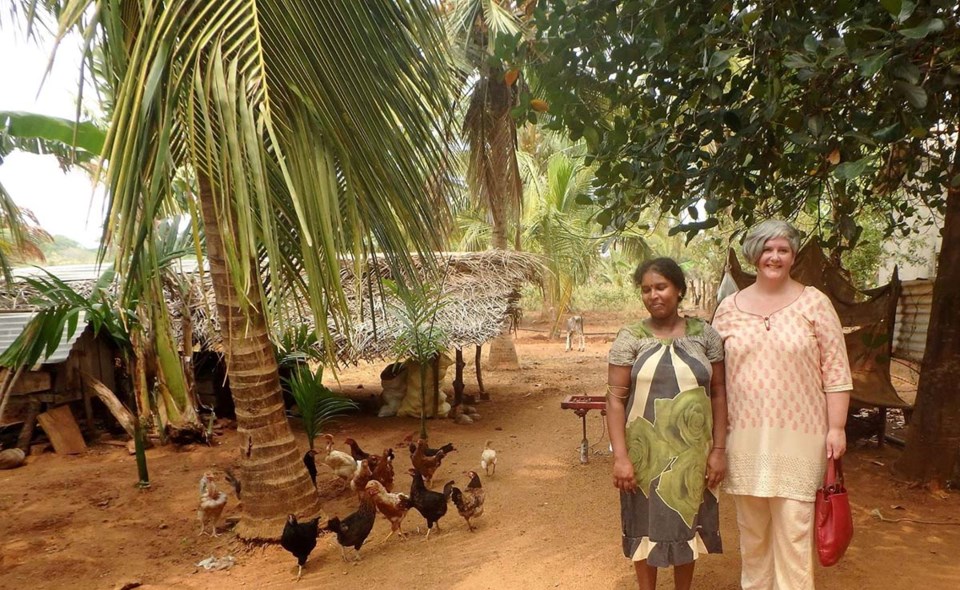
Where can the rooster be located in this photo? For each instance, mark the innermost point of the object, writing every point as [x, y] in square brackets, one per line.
[363, 474]
[393, 507]
[469, 502]
[299, 538]
[353, 530]
[356, 452]
[431, 505]
[383, 472]
[211, 504]
[426, 466]
[343, 465]
[447, 449]
[488, 459]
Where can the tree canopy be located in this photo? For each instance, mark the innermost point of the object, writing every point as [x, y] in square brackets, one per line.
[759, 109]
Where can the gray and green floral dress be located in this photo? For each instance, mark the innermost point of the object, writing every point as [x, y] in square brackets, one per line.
[673, 518]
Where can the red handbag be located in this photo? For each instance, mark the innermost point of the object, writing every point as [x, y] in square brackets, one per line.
[833, 520]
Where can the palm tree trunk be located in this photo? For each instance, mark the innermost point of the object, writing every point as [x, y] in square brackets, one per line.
[275, 481]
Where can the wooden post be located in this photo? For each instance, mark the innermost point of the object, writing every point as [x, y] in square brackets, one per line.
[88, 412]
[882, 427]
[436, 385]
[458, 380]
[483, 393]
[29, 424]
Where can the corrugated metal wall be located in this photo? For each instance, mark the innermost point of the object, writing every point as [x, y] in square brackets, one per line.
[913, 317]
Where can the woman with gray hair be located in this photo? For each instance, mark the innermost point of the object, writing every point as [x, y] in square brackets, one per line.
[788, 386]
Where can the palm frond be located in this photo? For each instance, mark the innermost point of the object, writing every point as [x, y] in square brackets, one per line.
[325, 116]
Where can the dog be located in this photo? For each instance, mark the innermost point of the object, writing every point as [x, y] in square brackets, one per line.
[575, 327]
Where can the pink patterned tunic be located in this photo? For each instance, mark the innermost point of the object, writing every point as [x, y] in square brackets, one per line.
[778, 370]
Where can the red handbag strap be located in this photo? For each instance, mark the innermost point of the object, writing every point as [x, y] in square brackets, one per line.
[834, 472]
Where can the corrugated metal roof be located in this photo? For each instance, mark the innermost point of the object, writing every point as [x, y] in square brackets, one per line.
[913, 319]
[13, 323]
[68, 273]
[87, 272]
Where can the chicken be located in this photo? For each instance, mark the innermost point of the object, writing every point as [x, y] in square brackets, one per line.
[363, 474]
[427, 466]
[431, 505]
[205, 480]
[355, 451]
[310, 462]
[488, 459]
[469, 502]
[383, 472]
[342, 464]
[211, 504]
[447, 449]
[393, 507]
[353, 530]
[299, 538]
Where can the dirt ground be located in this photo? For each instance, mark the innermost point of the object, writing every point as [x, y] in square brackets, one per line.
[550, 522]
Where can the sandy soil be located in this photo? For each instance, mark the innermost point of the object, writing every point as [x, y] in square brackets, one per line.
[550, 522]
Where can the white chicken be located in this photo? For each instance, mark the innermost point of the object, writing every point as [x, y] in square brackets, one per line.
[343, 465]
[488, 459]
[211, 505]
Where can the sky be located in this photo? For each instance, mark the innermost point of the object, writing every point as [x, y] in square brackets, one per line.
[63, 203]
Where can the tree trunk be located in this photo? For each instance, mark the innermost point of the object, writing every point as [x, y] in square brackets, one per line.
[933, 441]
[458, 380]
[275, 481]
[503, 353]
[110, 400]
[476, 362]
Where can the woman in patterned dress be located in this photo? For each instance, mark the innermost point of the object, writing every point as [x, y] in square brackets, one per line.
[666, 412]
[788, 382]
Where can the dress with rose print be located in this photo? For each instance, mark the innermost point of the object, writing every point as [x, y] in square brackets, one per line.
[673, 518]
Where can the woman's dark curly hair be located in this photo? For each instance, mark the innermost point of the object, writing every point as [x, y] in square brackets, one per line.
[666, 267]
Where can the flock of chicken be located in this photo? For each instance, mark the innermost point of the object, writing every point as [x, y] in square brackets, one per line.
[371, 477]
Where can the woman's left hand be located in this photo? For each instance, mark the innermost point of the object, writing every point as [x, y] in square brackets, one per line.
[836, 443]
[716, 468]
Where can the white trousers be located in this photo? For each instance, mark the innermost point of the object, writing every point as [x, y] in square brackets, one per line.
[776, 543]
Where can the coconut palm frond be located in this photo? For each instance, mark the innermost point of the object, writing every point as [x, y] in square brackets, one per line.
[318, 405]
[315, 140]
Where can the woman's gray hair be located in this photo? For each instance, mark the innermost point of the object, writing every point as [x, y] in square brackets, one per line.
[767, 230]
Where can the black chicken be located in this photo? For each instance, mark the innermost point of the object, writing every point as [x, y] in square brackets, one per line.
[299, 538]
[355, 451]
[447, 449]
[353, 530]
[469, 502]
[310, 462]
[431, 505]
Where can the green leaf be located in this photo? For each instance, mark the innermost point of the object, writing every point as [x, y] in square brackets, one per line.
[932, 25]
[914, 94]
[906, 10]
[851, 170]
[796, 61]
[871, 65]
[84, 136]
[892, 6]
[748, 18]
[720, 58]
[811, 43]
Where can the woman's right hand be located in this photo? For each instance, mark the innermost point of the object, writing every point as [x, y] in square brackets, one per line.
[623, 475]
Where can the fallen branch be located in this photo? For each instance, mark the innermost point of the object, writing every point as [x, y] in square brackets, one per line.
[876, 512]
[109, 399]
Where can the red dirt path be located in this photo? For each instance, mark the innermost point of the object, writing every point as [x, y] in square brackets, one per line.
[77, 522]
